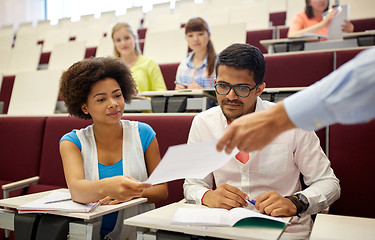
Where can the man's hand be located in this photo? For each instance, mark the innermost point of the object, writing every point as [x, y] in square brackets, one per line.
[225, 196]
[274, 204]
[254, 131]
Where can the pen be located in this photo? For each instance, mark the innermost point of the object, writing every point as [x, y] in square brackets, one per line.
[252, 201]
[56, 201]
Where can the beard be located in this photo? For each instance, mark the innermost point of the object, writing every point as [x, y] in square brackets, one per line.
[228, 114]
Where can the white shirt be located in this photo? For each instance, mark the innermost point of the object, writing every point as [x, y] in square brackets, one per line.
[276, 167]
[345, 96]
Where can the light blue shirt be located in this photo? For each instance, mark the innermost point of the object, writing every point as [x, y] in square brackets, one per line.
[345, 96]
[187, 74]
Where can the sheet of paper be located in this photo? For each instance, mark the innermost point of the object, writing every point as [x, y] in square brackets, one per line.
[334, 31]
[189, 161]
[40, 205]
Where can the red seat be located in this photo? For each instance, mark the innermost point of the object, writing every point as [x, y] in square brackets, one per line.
[6, 91]
[51, 173]
[20, 147]
[342, 56]
[297, 70]
[352, 151]
[253, 38]
[169, 73]
[361, 25]
[278, 18]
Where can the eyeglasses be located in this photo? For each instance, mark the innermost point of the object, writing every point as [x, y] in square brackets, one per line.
[240, 90]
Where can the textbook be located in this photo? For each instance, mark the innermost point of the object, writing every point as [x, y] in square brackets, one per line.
[236, 217]
[56, 201]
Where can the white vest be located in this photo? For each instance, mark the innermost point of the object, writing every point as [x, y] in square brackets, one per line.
[133, 166]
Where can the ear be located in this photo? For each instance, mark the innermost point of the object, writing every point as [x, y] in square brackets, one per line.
[260, 88]
[84, 108]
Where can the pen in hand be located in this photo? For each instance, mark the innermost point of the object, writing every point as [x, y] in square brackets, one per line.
[56, 201]
[252, 201]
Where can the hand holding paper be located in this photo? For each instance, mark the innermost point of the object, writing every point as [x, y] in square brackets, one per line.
[189, 161]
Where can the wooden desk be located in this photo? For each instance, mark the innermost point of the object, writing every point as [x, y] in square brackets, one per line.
[335, 227]
[160, 219]
[87, 224]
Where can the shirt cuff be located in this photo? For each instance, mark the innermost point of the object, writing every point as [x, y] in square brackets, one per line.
[307, 110]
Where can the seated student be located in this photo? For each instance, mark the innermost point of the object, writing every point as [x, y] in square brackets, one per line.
[108, 160]
[272, 176]
[145, 71]
[197, 70]
[312, 20]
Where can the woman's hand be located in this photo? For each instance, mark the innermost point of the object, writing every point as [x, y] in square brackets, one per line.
[123, 188]
[347, 27]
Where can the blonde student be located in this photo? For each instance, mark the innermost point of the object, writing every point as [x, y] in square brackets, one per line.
[108, 160]
[145, 71]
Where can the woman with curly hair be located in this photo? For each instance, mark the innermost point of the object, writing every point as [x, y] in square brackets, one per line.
[108, 160]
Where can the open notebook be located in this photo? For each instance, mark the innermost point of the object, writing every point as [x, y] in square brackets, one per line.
[236, 217]
[56, 201]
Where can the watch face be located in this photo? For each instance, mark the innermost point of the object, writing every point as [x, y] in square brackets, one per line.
[303, 199]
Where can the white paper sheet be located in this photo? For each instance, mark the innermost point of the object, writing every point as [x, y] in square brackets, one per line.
[334, 31]
[189, 161]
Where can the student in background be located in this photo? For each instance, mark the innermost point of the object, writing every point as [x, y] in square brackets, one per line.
[272, 176]
[312, 20]
[197, 70]
[145, 71]
[108, 160]
[346, 96]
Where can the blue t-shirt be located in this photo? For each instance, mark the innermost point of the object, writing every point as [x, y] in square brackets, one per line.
[147, 134]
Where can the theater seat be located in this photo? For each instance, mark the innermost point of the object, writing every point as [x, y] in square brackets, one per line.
[297, 70]
[352, 151]
[19, 156]
[169, 73]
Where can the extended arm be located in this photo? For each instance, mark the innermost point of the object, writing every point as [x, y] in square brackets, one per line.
[346, 96]
[120, 188]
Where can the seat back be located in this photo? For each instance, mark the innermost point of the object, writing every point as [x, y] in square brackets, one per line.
[29, 98]
[352, 151]
[221, 38]
[51, 171]
[297, 70]
[20, 146]
[166, 47]
[254, 37]
[24, 59]
[6, 91]
[63, 55]
[342, 56]
[169, 74]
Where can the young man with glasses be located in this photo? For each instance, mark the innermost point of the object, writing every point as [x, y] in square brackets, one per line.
[271, 177]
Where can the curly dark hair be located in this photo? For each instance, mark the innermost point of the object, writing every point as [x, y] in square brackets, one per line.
[77, 81]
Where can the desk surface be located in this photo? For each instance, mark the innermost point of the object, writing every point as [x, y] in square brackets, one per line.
[99, 211]
[186, 92]
[160, 218]
[335, 227]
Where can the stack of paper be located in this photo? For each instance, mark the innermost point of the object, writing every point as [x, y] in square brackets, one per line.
[56, 201]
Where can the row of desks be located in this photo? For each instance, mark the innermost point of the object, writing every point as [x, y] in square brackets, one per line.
[312, 43]
[156, 224]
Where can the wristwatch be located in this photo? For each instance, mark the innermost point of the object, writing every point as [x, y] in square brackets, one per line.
[301, 202]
